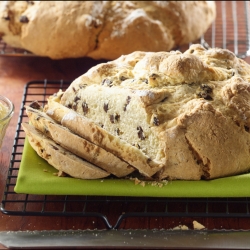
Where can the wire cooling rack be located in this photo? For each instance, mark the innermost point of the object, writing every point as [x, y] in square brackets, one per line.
[7, 50]
[112, 211]
[230, 30]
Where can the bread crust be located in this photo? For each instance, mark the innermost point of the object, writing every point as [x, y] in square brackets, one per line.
[102, 29]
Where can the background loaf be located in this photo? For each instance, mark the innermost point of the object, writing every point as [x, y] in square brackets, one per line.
[102, 29]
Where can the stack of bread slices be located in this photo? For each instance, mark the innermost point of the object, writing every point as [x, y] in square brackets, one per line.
[78, 147]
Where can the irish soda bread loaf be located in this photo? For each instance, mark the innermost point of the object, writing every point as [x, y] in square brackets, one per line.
[102, 29]
[188, 111]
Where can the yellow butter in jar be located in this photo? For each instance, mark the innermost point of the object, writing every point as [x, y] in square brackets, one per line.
[6, 112]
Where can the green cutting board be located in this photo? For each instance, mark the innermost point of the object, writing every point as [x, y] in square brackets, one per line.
[36, 176]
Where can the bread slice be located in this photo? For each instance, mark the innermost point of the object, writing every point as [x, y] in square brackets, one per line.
[77, 145]
[94, 133]
[60, 158]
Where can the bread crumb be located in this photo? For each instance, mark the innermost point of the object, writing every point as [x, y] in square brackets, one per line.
[181, 227]
[197, 225]
[142, 183]
[152, 183]
[46, 170]
[137, 181]
[60, 174]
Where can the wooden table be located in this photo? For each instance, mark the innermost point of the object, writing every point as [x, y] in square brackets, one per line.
[15, 72]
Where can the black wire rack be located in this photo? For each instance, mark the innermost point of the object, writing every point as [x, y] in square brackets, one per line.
[7, 50]
[231, 28]
[100, 206]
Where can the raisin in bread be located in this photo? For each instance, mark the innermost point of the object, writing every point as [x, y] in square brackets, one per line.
[75, 144]
[102, 29]
[59, 158]
[189, 111]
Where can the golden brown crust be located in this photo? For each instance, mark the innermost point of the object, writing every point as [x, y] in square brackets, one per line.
[214, 146]
[102, 29]
[222, 147]
[181, 161]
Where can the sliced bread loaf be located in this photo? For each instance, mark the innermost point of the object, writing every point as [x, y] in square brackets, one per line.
[188, 111]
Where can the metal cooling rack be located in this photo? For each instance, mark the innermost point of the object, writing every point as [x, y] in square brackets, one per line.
[7, 50]
[230, 30]
[99, 207]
